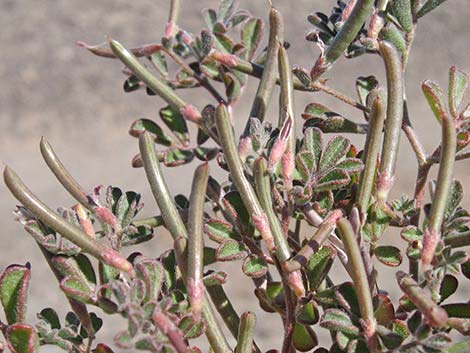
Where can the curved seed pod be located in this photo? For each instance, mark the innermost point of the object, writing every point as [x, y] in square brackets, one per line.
[60, 225]
[64, 177]
[246, 333]
[196, 240]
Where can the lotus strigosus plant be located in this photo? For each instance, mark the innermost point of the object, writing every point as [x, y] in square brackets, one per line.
[295, 201]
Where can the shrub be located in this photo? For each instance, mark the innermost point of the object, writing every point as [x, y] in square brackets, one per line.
[280, 180]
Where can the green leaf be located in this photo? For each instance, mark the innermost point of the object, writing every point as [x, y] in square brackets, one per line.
[428, 7]
[400, 328]
[402, 11]
[191, 328]
[219, 230]
[306, 313]
[449, 286]
[304, 339]
[433, 93]
[254, 266]
[50, 316]
[251, 34]
[351, 165]
[384, 311]
[236, 207]
[458, 82]
[461, 347]
[338, 320]
[460, 310]
[364, 85]
[174, 157]
[213, 278]
[315, 109]
[389, 255]
[454, 199]
[313, 141]
[334, 152]
[176, 123]
[411, 234]
[230, 250]
[210, 17]
[334, 179]
[140, 126]
[233, 87]
[76, 289]
[159, 61]
[22, 338]
[319, 265]
[305, 165]
[132, 83]
[438, 341]
[389, 338]
[14, 284]
[226, 9]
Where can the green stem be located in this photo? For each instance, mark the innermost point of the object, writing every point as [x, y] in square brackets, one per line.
[344, 38]
[64, 177]
[268, 78]
[196, 240]
[432, 234]
[178, 231]
[263, 190]
[246, 332]
[60, 225]
[359, 276]
[371, 150]
[154, 83]
[225, 308]
[174, 11]
[393, 123]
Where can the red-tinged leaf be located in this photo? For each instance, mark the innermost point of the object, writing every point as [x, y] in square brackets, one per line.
[319, 265]
[433, 93]
[338, 320]
[22, 338]
[174, 157]
[214, 278]
[219, 230]
[254, 266]
[76, 289]
[140, 126]
[230, 250]
[14, 284]
[334, 152]
[305, 165]
[176, 123]
[152, 273]
[313, 142]
[411, 234]
[439, 341]
[458, 82]
[364, 85]
[315, 110]
[191, 328]
[334, 179]
[102, 348]
[389, 338]
[388, 255]
[400, 327]
[384, 311]
[251, 34]
[351, 165]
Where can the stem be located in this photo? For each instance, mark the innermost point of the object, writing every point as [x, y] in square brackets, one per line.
[154, 83]
[268, 78]
[444, 181]
[343, 38]
[174, 11]
[225, 308]
[314, 243]
[196, 240]
[359, 276]
[64, 177]
[232, 157]
[412, 137]
[175, 225]
[371, 150]
[263, 189]
[60, 225]
[246, 332]
[436, 315]
[393, 122]
[256, 70]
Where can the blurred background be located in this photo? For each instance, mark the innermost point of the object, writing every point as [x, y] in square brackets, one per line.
[52, 88]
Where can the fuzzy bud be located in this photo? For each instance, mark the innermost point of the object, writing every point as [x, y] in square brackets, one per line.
[375, 26]
[296, 283]
[347, 10]
[430, 241]
[196, 296]
[245, 147]
[169, 329]
[277, 151]
[186, 38]
[115, 259]
[228, 60]
[85, 221]
[262, 225]
[191, 113]
[288, 167]
[106, 216]
[384, 185]
[171, 29]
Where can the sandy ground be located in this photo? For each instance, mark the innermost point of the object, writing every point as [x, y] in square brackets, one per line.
[50, 87]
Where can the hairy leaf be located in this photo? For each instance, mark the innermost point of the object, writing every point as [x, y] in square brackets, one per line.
[14, 284]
